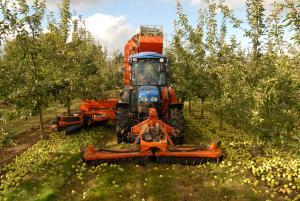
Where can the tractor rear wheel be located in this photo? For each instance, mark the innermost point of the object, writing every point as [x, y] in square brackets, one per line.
[122, 125]
[176, 120]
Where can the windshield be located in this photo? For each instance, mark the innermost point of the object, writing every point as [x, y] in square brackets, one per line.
[148, 72]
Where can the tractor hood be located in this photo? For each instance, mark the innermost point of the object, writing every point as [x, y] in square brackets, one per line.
[148, 94]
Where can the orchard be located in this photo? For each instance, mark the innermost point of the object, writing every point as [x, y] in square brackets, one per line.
[247, 99]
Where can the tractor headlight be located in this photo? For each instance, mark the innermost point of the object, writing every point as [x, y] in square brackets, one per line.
[144, 99]
[161, 60]
[153, 99]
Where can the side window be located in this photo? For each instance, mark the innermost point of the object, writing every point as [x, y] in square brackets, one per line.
[134, 73]
[162, 78]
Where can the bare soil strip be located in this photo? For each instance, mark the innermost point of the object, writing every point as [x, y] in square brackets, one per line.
[21, 143]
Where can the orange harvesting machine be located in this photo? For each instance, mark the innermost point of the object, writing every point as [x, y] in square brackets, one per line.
[147, 113]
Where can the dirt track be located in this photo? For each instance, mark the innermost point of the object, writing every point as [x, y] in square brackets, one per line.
[23, 141]
[20, 144]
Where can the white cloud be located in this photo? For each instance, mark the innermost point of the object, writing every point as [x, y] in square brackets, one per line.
[112, 31]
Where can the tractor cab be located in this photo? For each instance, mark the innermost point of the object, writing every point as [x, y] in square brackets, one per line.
[148, 76]
[148, 68]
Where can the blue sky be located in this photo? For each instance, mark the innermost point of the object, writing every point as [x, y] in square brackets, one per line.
[113, 22]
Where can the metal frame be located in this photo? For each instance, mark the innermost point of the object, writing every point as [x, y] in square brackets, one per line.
[163, 148]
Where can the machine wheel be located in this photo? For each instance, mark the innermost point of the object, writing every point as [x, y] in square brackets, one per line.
[73, 129]
[177, 122]
[77, 127]
[122, 125]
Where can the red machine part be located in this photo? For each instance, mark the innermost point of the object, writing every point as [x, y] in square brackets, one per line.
[160, 151]
[98, 108]
[168, 97]
[92, 112]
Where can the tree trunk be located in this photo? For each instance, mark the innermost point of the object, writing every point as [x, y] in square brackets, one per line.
[202, 108]
[69, 110]
[69, 106]
[221, 122]
[190, 106]
[41, 123]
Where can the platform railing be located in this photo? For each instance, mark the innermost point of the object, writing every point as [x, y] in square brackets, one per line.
[151, 30]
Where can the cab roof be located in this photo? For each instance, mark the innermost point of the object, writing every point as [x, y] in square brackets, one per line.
[147, 55]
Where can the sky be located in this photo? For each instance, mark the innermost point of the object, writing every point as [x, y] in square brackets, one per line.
[113, 22]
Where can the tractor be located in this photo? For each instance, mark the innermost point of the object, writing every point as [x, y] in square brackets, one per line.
[145, 80]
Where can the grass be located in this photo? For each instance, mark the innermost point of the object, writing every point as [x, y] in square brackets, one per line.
[20, 124]
[53, 170]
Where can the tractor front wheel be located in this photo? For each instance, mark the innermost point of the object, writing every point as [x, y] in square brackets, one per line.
[122, 125]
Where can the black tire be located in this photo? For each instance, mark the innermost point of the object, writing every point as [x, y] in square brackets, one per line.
[176, 120]
[73, 129]
[122, 125]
